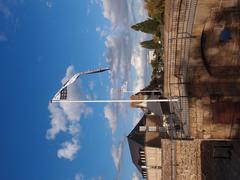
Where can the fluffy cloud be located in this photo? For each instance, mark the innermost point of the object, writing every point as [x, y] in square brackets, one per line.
[136, 117]
[65, 117]
[9, 20]
[116, 11]
[111, 118]
[79, 177]
[119, 52]
[124, 54]
[136, 176]
[58, 121]
[117, 152]
[48, 3]
[94, 2]
[69, 149]
[139, 62]
[5, 10]
[128, 61]
[121, 41]
[91, 85]
[101, 31]
[112, 110]
[116, 57]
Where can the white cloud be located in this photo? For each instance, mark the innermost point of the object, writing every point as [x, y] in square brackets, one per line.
[92, 2]
[116, 11]
[124, 54]
[98, 29]
[58, 121]
[74, 128]
[91, 85]
[139, 62]
[79, 177]
[128, 61]
[97, 178]
[65, 117]
[69, 149]
[102, 32]
[136, 117]
[49, 4]
[111, 118]
[117, 155]
[136, 176]
[5, 10]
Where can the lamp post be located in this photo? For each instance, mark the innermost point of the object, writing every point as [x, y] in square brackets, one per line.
[62, 94]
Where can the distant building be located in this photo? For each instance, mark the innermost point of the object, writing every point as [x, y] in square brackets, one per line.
[159, 109]
[151, 55]
[145, 146]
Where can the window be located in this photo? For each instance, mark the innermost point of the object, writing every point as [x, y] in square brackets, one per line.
[225, 36]
[142, 128]
[152, 128]
[163, 129]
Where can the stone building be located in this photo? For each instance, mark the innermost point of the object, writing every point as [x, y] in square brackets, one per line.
[145, 146]
[201, 67]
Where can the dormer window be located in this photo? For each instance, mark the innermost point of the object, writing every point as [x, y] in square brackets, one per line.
[142, 128]
[142, 155]
[152, 128]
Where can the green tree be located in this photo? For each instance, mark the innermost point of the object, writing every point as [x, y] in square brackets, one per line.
[155, 64]
[150, 44]
[155, 9]
[148, 26]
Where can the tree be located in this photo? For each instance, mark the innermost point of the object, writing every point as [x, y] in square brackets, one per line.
[150, 44]
[155, 9]
[148, 26]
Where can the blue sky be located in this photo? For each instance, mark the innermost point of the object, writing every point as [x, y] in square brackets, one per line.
[43, 42]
